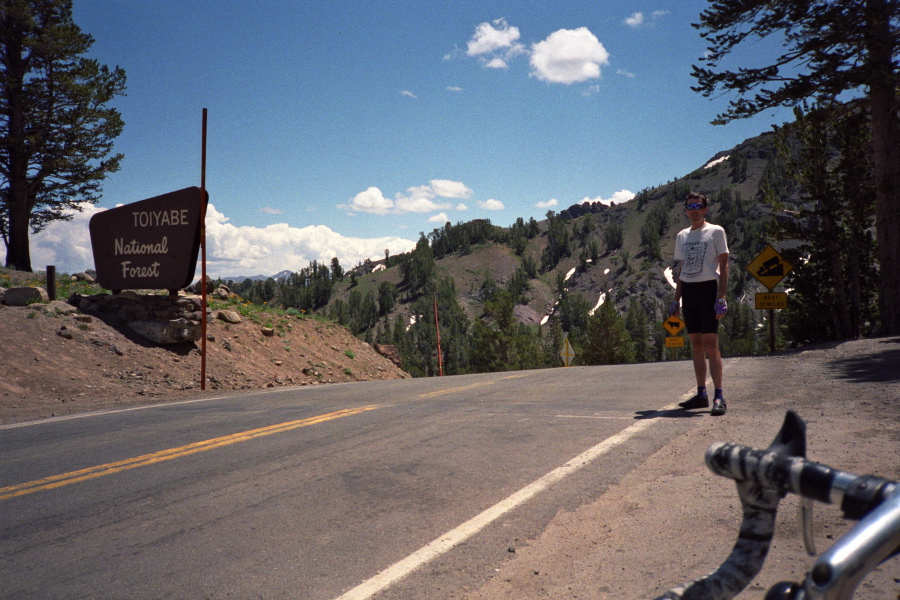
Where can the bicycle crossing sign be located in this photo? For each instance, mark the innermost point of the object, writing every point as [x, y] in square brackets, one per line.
[673, 325]
[769, 267]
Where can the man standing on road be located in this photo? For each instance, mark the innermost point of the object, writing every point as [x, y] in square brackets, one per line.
[701, 275]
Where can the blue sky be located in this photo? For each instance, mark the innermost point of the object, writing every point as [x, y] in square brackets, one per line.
[341, 128]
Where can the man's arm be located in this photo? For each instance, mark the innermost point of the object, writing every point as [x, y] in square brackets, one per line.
[723, 275]
[676, 275]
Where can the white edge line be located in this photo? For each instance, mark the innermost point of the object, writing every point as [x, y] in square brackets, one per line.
[463, 532]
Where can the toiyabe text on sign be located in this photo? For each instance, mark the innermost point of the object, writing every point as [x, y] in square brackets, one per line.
[151, 244]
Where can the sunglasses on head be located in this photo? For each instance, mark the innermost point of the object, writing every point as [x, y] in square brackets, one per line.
[696, 206]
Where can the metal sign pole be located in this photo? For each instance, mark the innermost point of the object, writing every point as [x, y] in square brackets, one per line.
[437, 328]
[203, 255]
[771, 330]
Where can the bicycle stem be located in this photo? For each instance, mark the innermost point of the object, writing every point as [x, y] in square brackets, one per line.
[837, 573]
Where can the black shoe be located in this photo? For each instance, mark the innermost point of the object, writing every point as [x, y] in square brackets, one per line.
[697, 401]
[719, 407]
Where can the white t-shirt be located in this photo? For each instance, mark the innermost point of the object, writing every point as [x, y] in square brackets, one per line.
[699, 250]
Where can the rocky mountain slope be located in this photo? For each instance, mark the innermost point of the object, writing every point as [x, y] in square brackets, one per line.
[731, 179]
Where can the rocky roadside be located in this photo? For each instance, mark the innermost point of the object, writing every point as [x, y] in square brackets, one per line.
[58, 360]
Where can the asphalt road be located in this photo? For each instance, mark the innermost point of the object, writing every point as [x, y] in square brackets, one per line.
[413, 488]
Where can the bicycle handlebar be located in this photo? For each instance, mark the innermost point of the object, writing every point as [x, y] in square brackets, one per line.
[763, 478]
[857, 495]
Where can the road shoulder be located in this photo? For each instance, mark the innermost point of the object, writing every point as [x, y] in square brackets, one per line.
[671, 520]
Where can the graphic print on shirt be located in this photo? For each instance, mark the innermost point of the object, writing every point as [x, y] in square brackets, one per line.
[693, 258]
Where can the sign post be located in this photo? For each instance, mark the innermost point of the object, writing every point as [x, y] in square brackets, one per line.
[769, 268]
[203, 247]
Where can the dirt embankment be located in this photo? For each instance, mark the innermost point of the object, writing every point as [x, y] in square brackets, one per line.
[53, 364]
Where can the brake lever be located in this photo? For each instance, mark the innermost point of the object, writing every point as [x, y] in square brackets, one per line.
[806, 525]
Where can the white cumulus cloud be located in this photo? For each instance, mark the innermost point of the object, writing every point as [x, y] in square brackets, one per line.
[417, 199]
[491, 37]
[245, 250]
[618, 197]
[64, 244]
[638, 19]
[495, 44]
[549, 203]
[231, 250]
[491, 204]
[450, 189]
[635, 20]
[439, 218]
[568, 56]
[370, 201]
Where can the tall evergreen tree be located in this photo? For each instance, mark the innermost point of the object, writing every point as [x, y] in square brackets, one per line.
[56, 129]
[613, 237]
[834, 276]
[608, 342]
[499, 343]
[830, 49]
[636, 324]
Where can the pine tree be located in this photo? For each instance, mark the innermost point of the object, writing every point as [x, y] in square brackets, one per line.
[636, 324]
[830, 48]
[56, 129]
[834, 274]
[608, 342]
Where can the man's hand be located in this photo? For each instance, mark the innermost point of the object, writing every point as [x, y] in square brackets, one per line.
[673, 308]
[721, 308]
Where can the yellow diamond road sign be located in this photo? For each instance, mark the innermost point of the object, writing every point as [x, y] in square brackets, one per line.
[673, 325]
[769, 267]
[567, 353]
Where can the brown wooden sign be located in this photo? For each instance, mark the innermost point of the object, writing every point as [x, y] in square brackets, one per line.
[148, 245]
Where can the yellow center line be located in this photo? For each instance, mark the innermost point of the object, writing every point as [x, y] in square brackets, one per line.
[49, 483]
[463, 388]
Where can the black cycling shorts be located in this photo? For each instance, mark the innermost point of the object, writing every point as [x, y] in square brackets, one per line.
[698, 306]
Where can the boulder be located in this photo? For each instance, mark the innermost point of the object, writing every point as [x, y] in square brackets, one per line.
[23, 296]
[389, 352]
[168, 332]
[223, 293]
[229, 316]
[84, 276]
[197, 288]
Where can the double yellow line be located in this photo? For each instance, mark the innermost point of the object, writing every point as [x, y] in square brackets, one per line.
[49, 483]
[464, 388]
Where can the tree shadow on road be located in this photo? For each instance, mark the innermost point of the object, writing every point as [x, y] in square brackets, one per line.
[880, 366]
[677, 413]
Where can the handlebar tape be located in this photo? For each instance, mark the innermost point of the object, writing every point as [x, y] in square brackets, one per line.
[857, 495]
[763, 478]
